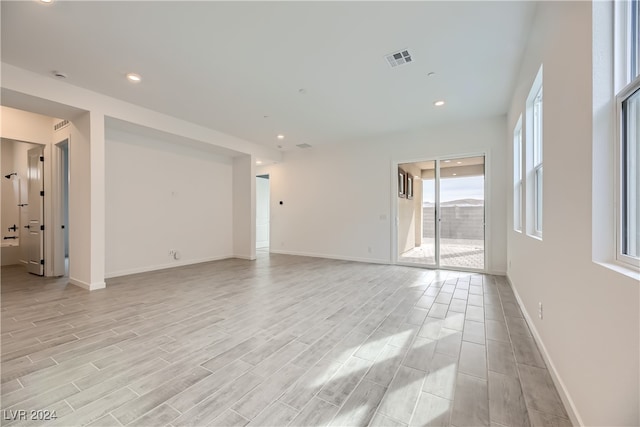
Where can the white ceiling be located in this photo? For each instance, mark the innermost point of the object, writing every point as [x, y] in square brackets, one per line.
[226, 65]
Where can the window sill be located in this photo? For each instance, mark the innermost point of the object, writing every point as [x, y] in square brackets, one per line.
[621, 269]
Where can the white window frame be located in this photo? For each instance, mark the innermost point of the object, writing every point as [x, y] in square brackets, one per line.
[627, 72]
[534, 200]
[518, 182]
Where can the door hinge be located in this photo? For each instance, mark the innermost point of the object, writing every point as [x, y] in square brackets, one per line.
[41, 262]
[42, 193]
[42, 158]
[42, 227]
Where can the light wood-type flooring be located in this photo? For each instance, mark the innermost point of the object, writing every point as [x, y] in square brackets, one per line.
[279, 341]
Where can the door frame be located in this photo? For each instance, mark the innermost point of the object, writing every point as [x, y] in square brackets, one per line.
[268, 178]
[57, 220]
[395, 164]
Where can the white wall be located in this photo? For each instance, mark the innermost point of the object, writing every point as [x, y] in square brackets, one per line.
[590, 331]
[244, 207]
[162, 196]
[333, 209]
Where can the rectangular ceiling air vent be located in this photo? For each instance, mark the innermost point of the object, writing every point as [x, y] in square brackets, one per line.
[303, 146]
[399, 58]
[60, 125]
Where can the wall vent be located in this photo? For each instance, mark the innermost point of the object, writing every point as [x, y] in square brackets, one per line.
[61, 125]
[399, 58]
[303, 146]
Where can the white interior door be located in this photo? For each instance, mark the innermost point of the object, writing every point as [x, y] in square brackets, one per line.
[262, 211]
[35, 235]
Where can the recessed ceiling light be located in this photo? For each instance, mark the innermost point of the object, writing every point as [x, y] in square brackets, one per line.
[447, 161]
[59, 74]
[459, 163]
[302, 91]
[438, 103]
[134, 78]
[455, 174]
[258, 162]
[46, 1]
[280, 136]
[431, 74]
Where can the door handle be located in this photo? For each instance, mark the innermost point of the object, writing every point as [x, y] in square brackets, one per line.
[26, 226]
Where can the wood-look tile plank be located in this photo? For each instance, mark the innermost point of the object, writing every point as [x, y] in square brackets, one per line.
[474, 332]
[449, 342]
[496, 331]
[473, 360]
[404, 391]
[97, 409]
[420, 354]
[506, 402]
[526, 351]
[310, 384]
[280, 358]
[432, 411]
[471, 402]
[441, 379]
[137, 407]
[198, 392]
[380, 420]
[101, 389]
[539, 391]
[540, 419]
[317, 412]
[500, 358]
[209, 409]
[259, 398]
[229, 418]
[158, 416]
[276, 414]
[359, 408]
[344, 381]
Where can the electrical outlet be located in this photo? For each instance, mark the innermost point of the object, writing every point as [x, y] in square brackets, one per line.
[540, 310]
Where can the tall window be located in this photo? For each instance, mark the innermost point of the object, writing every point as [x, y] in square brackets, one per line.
[534, 158]
[537, 161]
[629, 139]
[517, 176]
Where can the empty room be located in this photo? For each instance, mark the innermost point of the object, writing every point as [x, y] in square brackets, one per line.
[320, 213]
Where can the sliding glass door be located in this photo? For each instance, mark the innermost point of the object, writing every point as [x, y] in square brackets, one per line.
[445, 226]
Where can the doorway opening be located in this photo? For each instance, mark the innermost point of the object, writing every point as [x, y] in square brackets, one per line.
[441, 215]
[23, 205]
[262, 212]
[61, 208]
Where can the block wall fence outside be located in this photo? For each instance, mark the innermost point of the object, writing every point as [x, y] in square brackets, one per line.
[458, 222]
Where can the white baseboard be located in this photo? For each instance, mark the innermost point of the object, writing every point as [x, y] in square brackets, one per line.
[572, 411]
[146, 269]
[244, 257]
[326, 256]
[87, 286]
